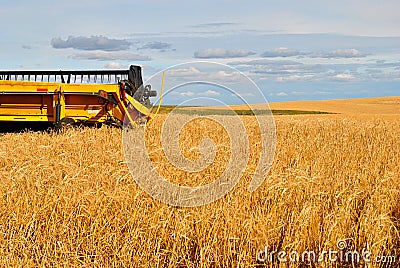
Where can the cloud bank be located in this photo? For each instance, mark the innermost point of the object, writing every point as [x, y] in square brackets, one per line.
[341, 53]
[104, 56]
[91, 43]
[281, 52]
[113, 65]
[214, 24]
[336, 54]
[156, 45]
[222, 53]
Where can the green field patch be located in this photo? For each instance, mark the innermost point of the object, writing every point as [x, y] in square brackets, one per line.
[190, 110]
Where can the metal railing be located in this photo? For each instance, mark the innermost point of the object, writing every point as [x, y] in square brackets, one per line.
[82, 77]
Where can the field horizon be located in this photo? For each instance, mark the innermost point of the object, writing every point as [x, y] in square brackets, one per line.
[377, 105]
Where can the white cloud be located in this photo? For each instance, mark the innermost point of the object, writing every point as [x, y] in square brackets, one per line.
[320, 71]
[190, 74]
[189, 93]
[338, 53]
[243, 95]
[103, 55]
[281, 94]
[344, 77]
[341, 53]
[91, 43]
[226, 77]
[156, 45]
[222, 53]
[114, 65]
[210, 93]
[186, 93]
[184, 72]
[281, 52]
[320, 92]
[298, 92]
[214, 25]
[294, 78]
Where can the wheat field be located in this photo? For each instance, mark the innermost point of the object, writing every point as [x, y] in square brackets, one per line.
[68, 199]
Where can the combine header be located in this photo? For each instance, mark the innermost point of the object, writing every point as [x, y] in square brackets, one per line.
[115, 97]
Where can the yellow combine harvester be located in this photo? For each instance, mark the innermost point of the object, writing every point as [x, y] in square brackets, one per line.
[116, 97]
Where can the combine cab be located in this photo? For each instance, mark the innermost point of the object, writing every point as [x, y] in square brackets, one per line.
[115, 97]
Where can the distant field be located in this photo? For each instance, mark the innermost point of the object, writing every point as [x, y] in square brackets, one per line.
[213, 111]
[363, 106]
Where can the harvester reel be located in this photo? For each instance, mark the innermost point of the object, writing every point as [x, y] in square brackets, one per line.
[129, 87]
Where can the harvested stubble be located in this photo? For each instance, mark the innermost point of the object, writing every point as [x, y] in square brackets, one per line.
[68, 198]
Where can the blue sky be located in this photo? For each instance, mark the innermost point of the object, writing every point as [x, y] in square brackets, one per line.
[293, 50]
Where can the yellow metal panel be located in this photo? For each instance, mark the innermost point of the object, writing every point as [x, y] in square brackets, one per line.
[138, 106]
[89, 88]
[78, 101]
[22, 109]
[23, 86]
[23, 118]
